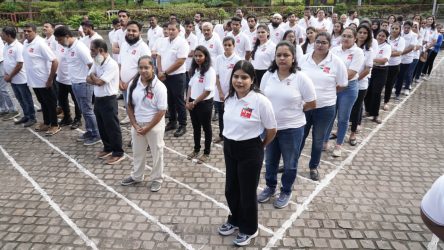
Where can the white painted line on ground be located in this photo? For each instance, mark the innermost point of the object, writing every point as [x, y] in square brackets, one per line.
[280, 233]
[119, 195]
[45, 195]
[323, 161]
[433, 244]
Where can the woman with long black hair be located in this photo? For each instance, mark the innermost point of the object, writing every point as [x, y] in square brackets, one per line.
[263, 52]
[308, 45]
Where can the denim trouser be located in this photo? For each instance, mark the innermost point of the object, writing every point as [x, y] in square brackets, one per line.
[344, 103]
[6, 103]
[319, 119]
[411, 72]
[219, 107]
[403, 76]
[286, 143]
[83, 93]
[24, 97]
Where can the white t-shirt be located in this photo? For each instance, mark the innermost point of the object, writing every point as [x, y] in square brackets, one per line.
[296, 29]
[252, 36]
[276, 34]
[224, 67]
[432, 203]
[52, 43]
[158, 45]
[325, 24]
[120, 36]
[63, 68]
[419, 40]
[326, 75]
[109, 73]
[218, 29]
[349, 21]
[368, 62]
[246, 118]
[288, 97]
[153, 34]
[352, 57]
[13, 54]
[79, 57]
[173, 50]
[310, 48]
[244, 25]
[264, 55]
[242, 44]
[199, 83]
[336, 41]
[305, 24]
[429, 35]
[410, 39]
[384, 51]
[128, 58]
[397, 44]
[147, 104]
[87, 39]
[214, 46]
[192, 42]
[112, 35]
[37, 58]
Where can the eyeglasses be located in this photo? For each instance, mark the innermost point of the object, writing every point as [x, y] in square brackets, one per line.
[318, 42]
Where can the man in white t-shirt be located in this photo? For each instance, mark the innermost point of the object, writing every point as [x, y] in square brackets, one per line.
[252, 29]
[154, 31]
[244, 23]
[112, 36]
[41, 64]
[171, 67]
[322, 24]
[48, 31]
[211, 41]
[276, 30]
[192, 42]
[104, 76]
[243, 45]
[432, 208]
[131, 50]
[352, 18]
[293, 25]
[306, 20]
[80, 30]
[90, 34]
[197, 22]
[124, 17]
[173, 19]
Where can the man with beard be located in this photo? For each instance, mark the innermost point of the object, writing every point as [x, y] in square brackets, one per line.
[90, 34]
[120, 34]
[197, 22]
[131, 50]
[252, 25]
[276, 31]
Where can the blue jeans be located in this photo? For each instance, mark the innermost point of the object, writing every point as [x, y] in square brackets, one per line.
[319, 119]
[286, 143]
[83, 93]
[24, 97]
[6, 103]
[411, 72]
[344, 103]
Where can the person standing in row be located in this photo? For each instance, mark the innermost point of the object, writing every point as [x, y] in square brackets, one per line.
[263, 52]
[247, 114]
[290, 36]
[112, 35]
[147, 105]
[308, 45]
[291, 92]
[223, 66]
[200, 101]
[90, 33]
[41, 66]
[406, 60]
[243, 44]
[171, 67]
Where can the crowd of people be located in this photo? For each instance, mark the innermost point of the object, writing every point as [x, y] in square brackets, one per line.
[267, 86]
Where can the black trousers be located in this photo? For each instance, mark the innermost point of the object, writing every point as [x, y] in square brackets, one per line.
[48, 101]
[428, 66]
[106, 111]
[201, 118]
[372, 100]
[392, 76]
[175, 85]
[356, 113]
[243, 160]
[64, 91]
[259, 74]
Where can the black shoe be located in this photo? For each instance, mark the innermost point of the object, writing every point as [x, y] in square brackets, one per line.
[170, 126]
[29, 123]
[180, 131]
[314, 174]
[76, 124]
[21, 121]
[39, 110]
[65, 122]
[120, 97]
[281, 169]
[130, 144]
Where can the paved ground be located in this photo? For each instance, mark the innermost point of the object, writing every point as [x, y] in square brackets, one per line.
[55, 195]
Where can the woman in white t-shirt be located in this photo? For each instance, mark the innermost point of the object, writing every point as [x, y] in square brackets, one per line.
[397, 43]
[353, 58]
[328, 73]
[372, 99]
[432, 208]
[147, 105]
[199, 101]
[263, 52]
[417, 52]
[247, 114]
[291, 92]
[290, 36]
[336, 34]
[308, 45]
[364, 41]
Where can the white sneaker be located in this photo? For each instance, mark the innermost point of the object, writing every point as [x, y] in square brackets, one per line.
[337, 152]
[406, 92]
[126, 120]
[426, 78]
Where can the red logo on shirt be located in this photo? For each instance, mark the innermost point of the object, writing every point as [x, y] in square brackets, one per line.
[31, 50]
[277, 33]
[201, 79]
[246, 112]
[264, 48]
[381, 51]
[238, 40]
[230, 66]
[149, 95]
[62, 50]
[10, 51]
[350, 57]
[211, 46]
[133, 52]
[326, 70]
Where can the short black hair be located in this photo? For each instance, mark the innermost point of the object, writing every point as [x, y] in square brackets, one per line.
[63, 31]
[236, 19]
[131, 22]
[87, 24]
[30, 25]
[200, 14]
[252, 16]
[50, 23]
[152, 15]
[10, 31]
[123, 11]
[115, 21]
[187, 22]
[100, 44]
[165, 25]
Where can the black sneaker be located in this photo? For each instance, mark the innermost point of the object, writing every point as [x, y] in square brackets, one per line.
[65, 122]
[180, 131]
[76, 124]
[21, 121]
[314, 174]
[170, 126]
[29, 123]
[128, 181]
